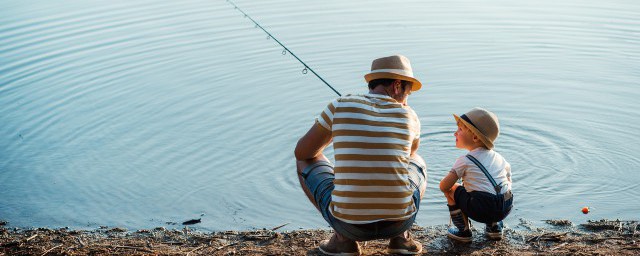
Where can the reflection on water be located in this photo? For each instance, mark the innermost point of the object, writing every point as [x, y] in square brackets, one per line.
[136, 114]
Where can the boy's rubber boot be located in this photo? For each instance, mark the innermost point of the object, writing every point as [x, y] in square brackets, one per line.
[460, 231]
[494, 230]
[339, 248]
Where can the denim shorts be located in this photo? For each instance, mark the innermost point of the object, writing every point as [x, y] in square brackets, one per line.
[483, 207]
[319, 178]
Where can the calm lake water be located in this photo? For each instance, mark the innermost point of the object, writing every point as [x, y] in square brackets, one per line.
[138, 113]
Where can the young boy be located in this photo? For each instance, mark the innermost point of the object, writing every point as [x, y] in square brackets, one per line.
[485, 195]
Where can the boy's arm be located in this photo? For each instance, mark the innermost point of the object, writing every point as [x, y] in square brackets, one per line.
[448, 182]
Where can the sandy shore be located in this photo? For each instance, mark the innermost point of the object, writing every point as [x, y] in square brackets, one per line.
[604, 237]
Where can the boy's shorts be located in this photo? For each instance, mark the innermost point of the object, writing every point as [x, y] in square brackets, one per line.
[482, 206]
[319, 178]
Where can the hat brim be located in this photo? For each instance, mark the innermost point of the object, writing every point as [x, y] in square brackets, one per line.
[416, 85]
[486, 141]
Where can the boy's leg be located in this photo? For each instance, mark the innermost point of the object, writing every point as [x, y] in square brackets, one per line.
[461, 230]
[450, 195]
[494, 230]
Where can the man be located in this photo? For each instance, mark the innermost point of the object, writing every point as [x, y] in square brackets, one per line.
[374, 192]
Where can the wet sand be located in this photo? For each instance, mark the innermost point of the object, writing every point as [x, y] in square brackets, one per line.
[560, 237]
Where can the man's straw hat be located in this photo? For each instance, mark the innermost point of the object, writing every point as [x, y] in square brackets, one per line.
[393, 67]
[482, 123]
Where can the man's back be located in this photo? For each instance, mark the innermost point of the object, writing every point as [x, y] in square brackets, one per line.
[372, 138]
[378, 178]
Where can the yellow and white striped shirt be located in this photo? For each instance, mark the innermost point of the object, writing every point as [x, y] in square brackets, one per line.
[372, 138]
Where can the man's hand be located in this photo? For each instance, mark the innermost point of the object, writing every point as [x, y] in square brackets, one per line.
[311, 144]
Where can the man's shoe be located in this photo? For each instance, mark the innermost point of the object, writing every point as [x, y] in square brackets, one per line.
[494, 230]
[336, 248]
[404, 246]
[459, 235]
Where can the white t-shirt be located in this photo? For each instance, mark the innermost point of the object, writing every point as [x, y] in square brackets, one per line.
[474, 179]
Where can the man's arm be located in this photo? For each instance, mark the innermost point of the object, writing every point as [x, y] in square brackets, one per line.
[311, 144]
[414, 147]
[308, 151]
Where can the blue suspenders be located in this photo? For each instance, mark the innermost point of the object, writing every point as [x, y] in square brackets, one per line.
[497, 187]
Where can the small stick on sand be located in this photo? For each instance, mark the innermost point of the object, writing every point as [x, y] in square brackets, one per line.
[126, 247]
[200, 247]
[80, 241]
[173, 243]
[560, 245]
[600, 239]
[45, 253]
[231, 244]
[31, 237]
[278, 227]
[132, 248]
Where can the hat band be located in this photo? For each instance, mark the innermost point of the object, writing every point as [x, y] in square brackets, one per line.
[395, 71]
[464, 117]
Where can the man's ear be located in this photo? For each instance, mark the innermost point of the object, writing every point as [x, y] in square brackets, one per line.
[397, 86]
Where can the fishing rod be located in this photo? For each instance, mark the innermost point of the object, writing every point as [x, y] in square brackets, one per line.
[306, 67]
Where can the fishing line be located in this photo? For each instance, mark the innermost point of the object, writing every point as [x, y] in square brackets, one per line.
[269, 36]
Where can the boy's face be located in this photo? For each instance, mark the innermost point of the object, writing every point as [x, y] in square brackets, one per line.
[464, 138]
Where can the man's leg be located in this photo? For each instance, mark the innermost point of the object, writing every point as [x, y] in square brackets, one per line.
[301, 165]
[423, 183]
[403, 243]
[337, 244]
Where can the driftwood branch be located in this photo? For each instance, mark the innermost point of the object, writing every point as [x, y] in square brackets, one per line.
[548, 237]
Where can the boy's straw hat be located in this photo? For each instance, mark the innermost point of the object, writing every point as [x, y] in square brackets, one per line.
[393, 67]
[482, 123]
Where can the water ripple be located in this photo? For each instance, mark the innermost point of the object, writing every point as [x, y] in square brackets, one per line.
[122, 111]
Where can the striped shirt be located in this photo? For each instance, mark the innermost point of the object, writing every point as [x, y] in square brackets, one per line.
[372, 137]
